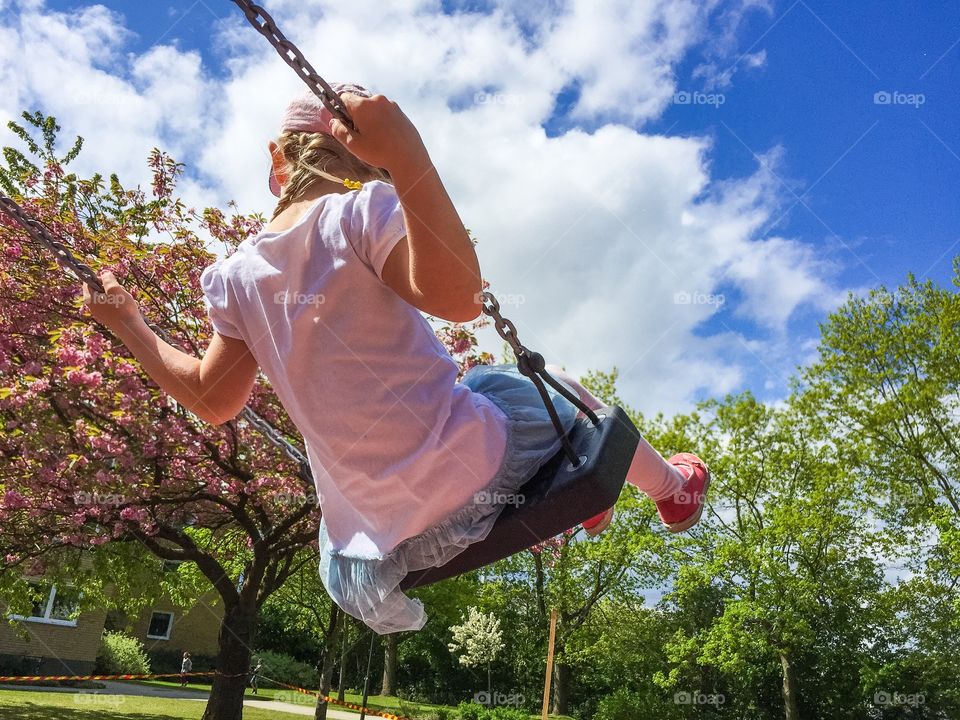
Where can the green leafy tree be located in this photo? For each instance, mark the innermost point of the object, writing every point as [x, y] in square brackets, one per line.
[780, 577]
[887, 382]
[94, 456]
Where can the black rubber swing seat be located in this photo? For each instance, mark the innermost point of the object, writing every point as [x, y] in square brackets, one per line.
[554, 500]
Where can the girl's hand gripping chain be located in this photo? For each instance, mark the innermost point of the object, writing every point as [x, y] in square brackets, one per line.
[114, 308]
[385, 137]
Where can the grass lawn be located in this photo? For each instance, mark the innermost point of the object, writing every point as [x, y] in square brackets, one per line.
[374, 702]
[17, 704]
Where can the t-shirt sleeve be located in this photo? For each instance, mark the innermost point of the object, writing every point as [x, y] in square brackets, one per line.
[376, 224]
[221, 306]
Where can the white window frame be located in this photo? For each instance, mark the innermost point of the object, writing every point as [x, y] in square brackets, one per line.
[47, 609]
[169, 625]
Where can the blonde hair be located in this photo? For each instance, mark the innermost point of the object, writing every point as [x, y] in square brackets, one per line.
[312, 157]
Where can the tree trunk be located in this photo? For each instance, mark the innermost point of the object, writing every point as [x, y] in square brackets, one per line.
[329, 658]
[233, 664]
[790, 711]
[341, 682]
[561, 689]
[389, 684]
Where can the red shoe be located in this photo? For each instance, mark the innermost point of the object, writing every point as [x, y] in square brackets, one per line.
[682, 511]
[598, 523]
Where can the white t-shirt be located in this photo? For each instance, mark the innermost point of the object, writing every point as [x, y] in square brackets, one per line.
[395, 443]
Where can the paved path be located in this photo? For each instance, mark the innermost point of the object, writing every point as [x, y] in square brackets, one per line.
[299, 705]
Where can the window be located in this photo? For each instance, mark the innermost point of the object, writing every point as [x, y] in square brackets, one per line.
[161, 623]
[64, 604]
[53, 605]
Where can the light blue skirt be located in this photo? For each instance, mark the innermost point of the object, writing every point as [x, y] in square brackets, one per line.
[369, 588]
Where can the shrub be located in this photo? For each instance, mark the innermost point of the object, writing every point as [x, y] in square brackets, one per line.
[503, 713]
[10, 665]
[408, 709]
[434, 714]
[287, 669]
[471, 711]
[121, 654]
[621, 705]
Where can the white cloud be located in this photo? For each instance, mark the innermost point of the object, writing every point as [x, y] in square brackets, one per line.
[73, 66]
[597, 231]
[722, 57]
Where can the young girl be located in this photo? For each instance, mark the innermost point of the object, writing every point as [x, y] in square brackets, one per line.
[411, 466]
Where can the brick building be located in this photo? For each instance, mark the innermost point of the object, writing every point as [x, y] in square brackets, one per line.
[55, 640]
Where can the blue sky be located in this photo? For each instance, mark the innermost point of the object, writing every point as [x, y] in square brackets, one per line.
[884, 178]
[886, 200]
[860, 191]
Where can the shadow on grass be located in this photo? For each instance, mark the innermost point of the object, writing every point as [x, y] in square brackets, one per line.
[41, 711]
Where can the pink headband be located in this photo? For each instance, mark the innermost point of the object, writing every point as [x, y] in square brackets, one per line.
[307, 114]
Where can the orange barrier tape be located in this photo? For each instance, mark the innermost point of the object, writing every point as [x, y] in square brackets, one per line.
[333, 701]
[38, 678]
[326, 698]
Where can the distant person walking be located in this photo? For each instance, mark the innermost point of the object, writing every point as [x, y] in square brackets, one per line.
[254, 677]
[185, 667]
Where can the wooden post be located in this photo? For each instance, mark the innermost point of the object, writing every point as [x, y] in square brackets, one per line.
[549, 680]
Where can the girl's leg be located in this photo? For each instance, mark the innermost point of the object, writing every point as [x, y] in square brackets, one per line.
[649, 471]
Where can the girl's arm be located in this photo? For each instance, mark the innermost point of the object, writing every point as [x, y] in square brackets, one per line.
[435, 268]
[214, 388]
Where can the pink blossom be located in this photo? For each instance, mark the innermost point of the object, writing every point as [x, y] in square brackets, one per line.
[124, 369]
[462, 345]
[38, 386]
[134, 514]
[71, 357]
[13, 500]
[94, 345]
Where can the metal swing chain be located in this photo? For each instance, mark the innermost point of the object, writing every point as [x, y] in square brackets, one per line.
[264, 24]
[40, 233]
[532, 365]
